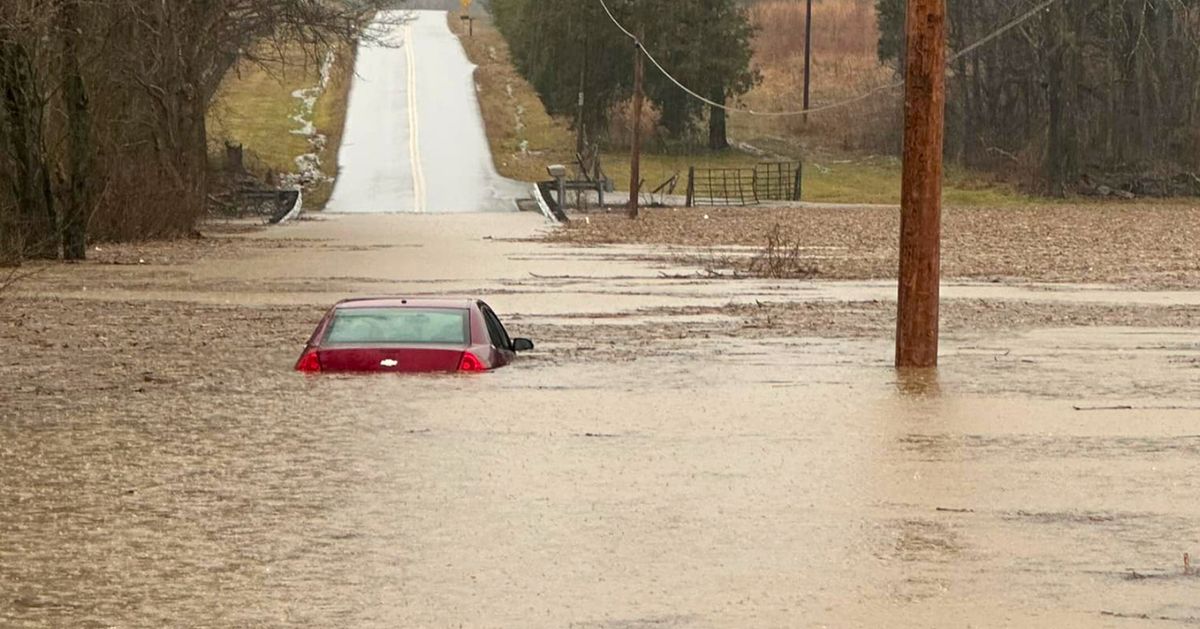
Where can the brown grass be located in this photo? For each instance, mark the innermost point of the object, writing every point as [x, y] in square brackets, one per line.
[523, 137]
[329, 116]
[845, 65]
[253, 108]
[840, 28]
[620, 124]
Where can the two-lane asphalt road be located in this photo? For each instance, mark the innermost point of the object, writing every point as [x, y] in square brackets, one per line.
[414, 138]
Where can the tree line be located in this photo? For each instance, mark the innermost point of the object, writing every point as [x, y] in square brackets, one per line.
[569, 48]
[1087, 91]
[103, 103]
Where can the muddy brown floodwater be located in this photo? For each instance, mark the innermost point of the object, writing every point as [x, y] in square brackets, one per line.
[677, 453]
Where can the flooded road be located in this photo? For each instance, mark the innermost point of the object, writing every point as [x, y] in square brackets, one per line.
[162, 467]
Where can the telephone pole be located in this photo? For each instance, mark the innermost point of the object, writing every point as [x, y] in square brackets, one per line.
[921, 187]
[807, 55]
[583, 68]
[635, 176]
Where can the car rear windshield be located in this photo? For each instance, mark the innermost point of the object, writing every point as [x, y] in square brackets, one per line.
[398, 325]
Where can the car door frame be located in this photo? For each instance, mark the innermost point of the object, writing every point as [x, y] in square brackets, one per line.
[503, 354]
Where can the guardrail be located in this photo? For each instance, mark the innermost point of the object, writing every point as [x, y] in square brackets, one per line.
[274, 206]
[551, 207]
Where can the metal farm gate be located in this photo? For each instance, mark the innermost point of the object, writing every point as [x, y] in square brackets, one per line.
[766, 181]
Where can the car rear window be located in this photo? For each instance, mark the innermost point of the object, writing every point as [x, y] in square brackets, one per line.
[398, 325]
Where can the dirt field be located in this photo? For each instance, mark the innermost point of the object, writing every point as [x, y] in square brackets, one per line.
[1140, 246]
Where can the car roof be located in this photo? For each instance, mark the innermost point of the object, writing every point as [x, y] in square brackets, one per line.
[461, 303]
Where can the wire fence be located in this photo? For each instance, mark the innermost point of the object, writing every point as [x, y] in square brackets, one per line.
[766, 181]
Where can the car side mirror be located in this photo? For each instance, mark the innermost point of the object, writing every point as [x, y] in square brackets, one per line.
[522, 345]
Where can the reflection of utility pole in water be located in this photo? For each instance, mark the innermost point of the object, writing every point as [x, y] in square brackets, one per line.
[921, 189]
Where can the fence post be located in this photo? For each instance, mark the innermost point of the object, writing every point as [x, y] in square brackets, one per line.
[235, 160]
[691, 187]
[798, 189]
[561, 183]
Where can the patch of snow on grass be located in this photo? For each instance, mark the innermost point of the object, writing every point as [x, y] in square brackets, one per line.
[308, 165]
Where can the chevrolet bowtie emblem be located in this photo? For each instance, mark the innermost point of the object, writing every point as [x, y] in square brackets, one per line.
[388, 363]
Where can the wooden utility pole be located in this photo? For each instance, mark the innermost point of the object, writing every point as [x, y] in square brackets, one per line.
[635, 175]
[807, 55]
[583, 68]
[921, 187]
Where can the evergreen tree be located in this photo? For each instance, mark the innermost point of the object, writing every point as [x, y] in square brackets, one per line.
[560, 44]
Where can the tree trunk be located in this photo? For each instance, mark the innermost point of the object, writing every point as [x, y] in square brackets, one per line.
[718, 139]
[79, 146]
[30, 179]
[195, 133]
[976, 116]
[12, 247]
[1114, 81]
[1061, 74]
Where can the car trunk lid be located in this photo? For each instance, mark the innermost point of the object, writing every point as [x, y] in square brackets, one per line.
[391, 359]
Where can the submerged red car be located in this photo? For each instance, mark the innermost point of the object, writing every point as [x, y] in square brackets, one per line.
[397, 335]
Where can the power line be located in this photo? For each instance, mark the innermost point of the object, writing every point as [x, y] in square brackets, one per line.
[1000, 31]
[849, 101]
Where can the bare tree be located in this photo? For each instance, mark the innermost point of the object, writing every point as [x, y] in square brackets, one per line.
[79, 147]
[22, 135]
[103, 106]
[1091, 87]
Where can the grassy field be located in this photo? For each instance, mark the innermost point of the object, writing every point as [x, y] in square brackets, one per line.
[872, 180]
[523, 145]
[254, 107]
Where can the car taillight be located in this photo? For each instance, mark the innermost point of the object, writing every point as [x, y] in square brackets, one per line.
[470, 362]
[309, 362]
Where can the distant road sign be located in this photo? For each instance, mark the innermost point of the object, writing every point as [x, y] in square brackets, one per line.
[466, 5]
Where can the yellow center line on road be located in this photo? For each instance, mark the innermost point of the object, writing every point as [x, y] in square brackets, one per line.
[414, 145]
